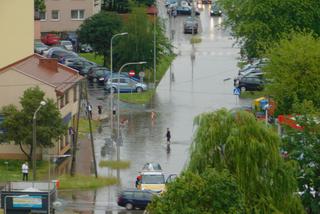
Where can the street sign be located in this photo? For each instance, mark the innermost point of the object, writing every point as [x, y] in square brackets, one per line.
[236, 91]
[27, 202]
[132, 73]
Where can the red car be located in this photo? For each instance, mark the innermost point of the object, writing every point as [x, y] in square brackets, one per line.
[50, 39]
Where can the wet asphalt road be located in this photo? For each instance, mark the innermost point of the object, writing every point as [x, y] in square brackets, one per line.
[188, 89]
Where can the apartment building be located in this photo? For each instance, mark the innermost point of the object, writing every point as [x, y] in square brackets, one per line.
[67, 15]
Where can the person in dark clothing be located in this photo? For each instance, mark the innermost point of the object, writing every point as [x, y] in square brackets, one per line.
[168, 136]
[99, 109]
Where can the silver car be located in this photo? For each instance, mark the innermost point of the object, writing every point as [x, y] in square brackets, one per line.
[126, 85]
[39, 47]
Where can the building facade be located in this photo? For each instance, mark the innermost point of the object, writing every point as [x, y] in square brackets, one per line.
[67, 15]
[59, 83]
[17, 30]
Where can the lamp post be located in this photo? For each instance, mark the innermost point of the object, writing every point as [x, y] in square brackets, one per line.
[111, 68]
[118, 101]
[34, 120]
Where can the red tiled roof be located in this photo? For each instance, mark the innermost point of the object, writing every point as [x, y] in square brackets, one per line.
[47, 71]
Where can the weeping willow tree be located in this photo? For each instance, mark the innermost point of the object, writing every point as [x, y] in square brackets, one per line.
[250, 152]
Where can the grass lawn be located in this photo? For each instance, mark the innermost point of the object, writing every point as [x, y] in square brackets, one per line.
[85, 182]
[137, 98]
[12, 170]
[145, 97]
[93, 57]
[84, 126]
[115, 164]
[195, 39]
[252, 94]
[163, 66]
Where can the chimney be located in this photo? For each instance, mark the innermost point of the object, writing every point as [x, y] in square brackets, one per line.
[51, 64]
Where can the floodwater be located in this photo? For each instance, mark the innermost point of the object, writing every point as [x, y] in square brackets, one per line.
[199, 80]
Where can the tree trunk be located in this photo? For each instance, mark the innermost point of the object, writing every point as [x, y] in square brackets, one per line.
[24, 152]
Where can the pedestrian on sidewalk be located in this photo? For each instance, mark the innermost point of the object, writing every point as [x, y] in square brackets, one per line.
[99, 109]
[89, 110]
[25, 171]
[168, 136]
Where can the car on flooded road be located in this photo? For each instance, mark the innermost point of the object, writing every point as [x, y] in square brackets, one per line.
[134, 198]
[154, 181]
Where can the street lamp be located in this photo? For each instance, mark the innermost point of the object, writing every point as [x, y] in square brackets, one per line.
[118, 101]
[111, 68]
[42, 103]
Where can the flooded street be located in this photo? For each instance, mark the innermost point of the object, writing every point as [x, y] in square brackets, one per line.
[189, 88]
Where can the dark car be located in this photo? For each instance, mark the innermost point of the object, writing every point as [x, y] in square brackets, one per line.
[251, 72]
[80, 64]
[190, 25]
[186, 10]
[98, 74]
[134, 198]
[254, 82]
[59, 53]
[215, 10]
[206, 1]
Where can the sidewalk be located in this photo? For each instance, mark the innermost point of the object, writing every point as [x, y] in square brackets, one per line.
[84, 157]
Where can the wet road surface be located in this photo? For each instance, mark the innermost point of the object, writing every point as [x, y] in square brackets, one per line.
[189, 88]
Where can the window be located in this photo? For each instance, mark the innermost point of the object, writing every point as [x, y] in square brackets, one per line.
[66, 96]
[75, 94]
[77, 14]
[55, 15]
[43, 16]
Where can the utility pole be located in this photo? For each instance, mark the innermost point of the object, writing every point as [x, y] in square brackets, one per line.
[154, 46]
[91, 136]
[76, 134]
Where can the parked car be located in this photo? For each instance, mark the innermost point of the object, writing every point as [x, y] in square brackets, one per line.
[39, 47]
[67, 45]
[73, 38]
[246, 73]
[186, 10]
[258, 63]
[58, 53]
[80, 64]
[254, 82]
[215, 10]
[98, 74]
[50, 39]
[206, 1]
[134, 198]
[127, 84]
[171, 2]
[190, 25]
[85, 48]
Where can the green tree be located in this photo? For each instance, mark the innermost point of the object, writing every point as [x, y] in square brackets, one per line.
[293, 72]
[18, 123]
[139, 44]
[303, 146]
[121, 6]
[251, 152]
[98, 31]
[257, 25]
[39, 5]
[211, 192]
